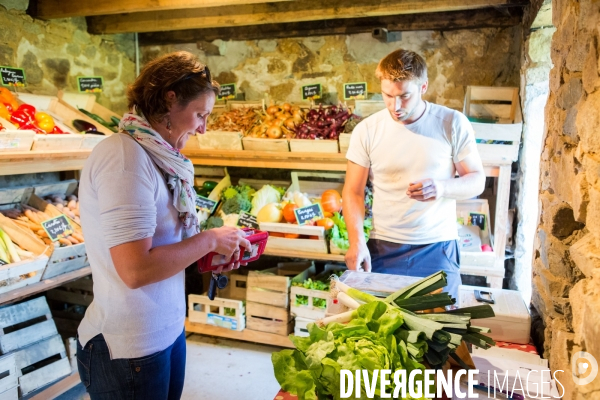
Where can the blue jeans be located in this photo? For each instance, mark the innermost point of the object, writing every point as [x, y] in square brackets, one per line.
[158, 376]
[417, 260]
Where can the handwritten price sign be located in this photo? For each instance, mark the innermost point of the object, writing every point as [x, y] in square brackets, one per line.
[58, 228]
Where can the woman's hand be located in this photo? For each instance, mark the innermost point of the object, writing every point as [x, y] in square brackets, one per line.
[227, 241]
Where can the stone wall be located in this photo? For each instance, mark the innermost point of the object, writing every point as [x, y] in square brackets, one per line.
[53, 53]
[278, 68]
[566, 282]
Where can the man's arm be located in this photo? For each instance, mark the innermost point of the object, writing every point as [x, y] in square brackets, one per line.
[354, 215]
[470, 183]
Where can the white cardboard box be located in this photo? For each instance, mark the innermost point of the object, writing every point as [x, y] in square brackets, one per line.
[512, 322]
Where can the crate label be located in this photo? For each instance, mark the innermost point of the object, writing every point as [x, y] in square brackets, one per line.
[205, 204]
[222, 322]
[58, 227]
[12, 76]
[310, 213]
[228, 91]
[312, 92]
[355, 91]
[90, 84]
[247, 221]
[9, 143]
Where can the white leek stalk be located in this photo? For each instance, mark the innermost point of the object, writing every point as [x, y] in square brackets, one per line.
[354, 293]
[340, 318]
[348, 301]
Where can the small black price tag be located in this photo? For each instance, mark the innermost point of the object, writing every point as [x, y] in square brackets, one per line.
[228, 91]
[93, 84]
[58, 227]
[309, 213]
[312, 92]
[477, 219]
[205, 204]
[355, 91]
[12, 76]
[247, 221]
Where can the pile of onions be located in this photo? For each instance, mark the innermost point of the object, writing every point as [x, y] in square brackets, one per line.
[323, 123]
[277, 122]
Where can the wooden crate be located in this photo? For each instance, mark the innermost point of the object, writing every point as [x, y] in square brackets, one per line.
[476, 258]
[315, 183]
[272, 286]
[333, 249]
[314, 146]
[258, 144]
[301, 326]
[219, 140]
[310, 310]
[23, 314]
[202, 310]
[344, 142]
[13, 139]
[266, 318]
[41, 363]
[88, 102]
[90, 141]
[364, 108]
[495, 141]
[236, 289]
[232, 105]
[9, 380]
[317, 245]
[68, 304]
[26, 272]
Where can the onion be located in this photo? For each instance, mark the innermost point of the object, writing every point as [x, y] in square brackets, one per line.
[290, 124]
[269, 213]
[272, 110]
[286, 107]
[274, 132]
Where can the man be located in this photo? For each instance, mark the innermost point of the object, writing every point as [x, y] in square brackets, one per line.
[410, 152]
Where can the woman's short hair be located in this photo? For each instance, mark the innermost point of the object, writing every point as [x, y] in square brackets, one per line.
[180, 72]
[402, 65]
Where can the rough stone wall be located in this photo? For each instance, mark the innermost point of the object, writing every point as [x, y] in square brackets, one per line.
[53, 53]
[566, 282]
[279, 68]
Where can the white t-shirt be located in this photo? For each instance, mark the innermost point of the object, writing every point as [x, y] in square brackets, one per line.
[398, 155]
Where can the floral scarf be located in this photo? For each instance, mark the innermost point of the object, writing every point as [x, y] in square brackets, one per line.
[177, 169]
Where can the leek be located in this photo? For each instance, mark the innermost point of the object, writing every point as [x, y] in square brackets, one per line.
[10, 247]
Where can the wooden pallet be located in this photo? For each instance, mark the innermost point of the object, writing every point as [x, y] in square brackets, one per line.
[202, 310]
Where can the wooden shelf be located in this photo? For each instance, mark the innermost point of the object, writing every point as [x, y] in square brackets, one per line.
[267, 159]
[245, 335]
[30, 162]
[44, 285]
[58, 388]
[303, 254]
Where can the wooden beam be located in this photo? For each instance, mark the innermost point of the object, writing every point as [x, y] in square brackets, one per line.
[440, 21]
[284, 12]
[50, 9]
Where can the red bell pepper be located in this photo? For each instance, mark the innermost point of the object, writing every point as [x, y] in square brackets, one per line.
[30, 126]
[20, 118]
[57, 129]
[27, 109]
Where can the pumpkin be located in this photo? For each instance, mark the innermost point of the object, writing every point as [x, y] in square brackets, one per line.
[331, 201]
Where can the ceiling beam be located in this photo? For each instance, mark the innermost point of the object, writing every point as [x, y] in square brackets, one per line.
[283, 12]
[50, 9]
[442, 21]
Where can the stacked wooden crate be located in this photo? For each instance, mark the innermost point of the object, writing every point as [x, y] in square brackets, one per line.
[29, 334]
[69, 302]
[267, 297]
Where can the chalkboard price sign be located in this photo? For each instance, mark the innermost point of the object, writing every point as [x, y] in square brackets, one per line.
[247, 221]
[477, 219]
[355, 91]
[12, 76]
[205, 204]
[58, 227]
[312, 92]
[90, 84]
[308, 213]
[228, 91]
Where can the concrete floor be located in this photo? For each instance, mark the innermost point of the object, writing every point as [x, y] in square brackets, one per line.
[220, 369]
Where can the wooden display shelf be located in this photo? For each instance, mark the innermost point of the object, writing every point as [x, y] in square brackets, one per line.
[305, 255]
[267, 159]
[30, 162]
[56, 389]
[247, 335]
[44, 285]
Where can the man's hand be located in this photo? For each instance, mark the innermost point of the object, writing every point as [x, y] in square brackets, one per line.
[425, 190]
[358, 258]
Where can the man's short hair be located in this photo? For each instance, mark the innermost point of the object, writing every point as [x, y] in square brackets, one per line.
[402, 65]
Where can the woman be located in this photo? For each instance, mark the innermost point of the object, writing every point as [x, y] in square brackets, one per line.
[138, 217]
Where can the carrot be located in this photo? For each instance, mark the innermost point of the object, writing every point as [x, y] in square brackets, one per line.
[78, 236]
[72, 240]
[291, 235]
[42, 233]
[65, 242]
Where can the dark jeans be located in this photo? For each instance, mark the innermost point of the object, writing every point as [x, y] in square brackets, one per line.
[158, 376]
[417, 260]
